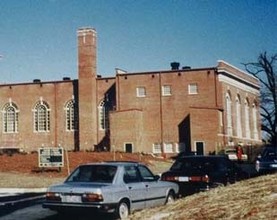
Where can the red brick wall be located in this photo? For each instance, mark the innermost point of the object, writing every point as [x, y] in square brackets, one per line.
[25, 96]
[126, 127]
[163, 115]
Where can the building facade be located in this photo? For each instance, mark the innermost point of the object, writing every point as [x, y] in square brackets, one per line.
[202, 109]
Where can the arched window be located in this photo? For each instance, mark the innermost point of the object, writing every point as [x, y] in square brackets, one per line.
[71, 115]
[10, 118]
[254, 115]
[238, 118]
[246, 118]
[41, 117]
[229, 114]
[103, 116]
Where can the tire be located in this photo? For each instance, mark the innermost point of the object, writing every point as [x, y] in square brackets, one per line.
[123, 210]
[170, 198]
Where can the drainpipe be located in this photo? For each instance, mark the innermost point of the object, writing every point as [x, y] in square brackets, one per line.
[161, 113]
[56, 118]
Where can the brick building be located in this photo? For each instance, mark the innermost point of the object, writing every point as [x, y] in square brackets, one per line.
[204, 109]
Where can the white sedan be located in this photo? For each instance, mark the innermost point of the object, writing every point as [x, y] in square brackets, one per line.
[111, 187]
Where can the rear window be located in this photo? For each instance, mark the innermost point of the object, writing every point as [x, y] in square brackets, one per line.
[93, 173]
[198, 164]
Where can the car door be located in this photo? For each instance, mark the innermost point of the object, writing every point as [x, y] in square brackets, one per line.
[136, 190]
[155, 191]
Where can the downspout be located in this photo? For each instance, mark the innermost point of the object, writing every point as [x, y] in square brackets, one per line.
[216, 103]
[117, 93]
[56, 118]
[97, 119]
[161, 114]
[215, 85]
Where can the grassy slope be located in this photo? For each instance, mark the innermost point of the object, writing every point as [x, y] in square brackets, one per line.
[251, 199]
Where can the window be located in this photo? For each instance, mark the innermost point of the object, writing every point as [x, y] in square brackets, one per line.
[146, 174]
[157, 149]
[246, 117]
[193, 89]
[10, 118]
[168, 148]
[166, 90]
[255, 129]
[41, 117]
[141, 92]
[71, 115]
[103, 115]
[131, 175]
[229, 114]
[238, 118]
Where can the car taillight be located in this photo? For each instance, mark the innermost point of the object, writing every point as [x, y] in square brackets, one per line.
[205, 178]
[52, 196]
[195, 178]
[92, 197]
[199, 178]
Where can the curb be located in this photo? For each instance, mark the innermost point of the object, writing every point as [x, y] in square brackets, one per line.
[21, 190]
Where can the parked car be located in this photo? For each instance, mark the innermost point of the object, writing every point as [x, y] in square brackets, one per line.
[111, 187]
[199, 173]
[266, 162]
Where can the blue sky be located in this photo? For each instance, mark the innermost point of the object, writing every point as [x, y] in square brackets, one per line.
[38, 37]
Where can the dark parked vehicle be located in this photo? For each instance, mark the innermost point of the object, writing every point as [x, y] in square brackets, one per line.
[199, 173]
[111, 187]
[267, 161]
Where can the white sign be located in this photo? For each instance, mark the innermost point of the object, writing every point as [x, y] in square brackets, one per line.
[51, 157]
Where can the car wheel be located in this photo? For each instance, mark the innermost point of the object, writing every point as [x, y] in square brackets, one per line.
[122, 211]
[170, 198]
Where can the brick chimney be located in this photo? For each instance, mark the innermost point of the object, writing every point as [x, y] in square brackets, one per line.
[87, 52]
[87, 88]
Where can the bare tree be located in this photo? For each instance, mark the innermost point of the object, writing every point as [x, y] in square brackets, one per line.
[265, 70]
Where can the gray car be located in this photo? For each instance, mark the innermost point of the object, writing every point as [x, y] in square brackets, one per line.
[111, 187]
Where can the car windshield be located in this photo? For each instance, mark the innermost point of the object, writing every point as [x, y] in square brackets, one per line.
[93, 173]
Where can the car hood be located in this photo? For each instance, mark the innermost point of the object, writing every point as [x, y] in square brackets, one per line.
[78, 187]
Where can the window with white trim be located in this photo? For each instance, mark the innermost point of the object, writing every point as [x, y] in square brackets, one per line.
[141, 92]
[103, 116]
[168, 147]
[254, 115]
[238, 118]
[166, 90]
[157, 148]
[193, 88]
[10, 118]
[229, 115]
[246, 118]
[71, 115]
[41, 115]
